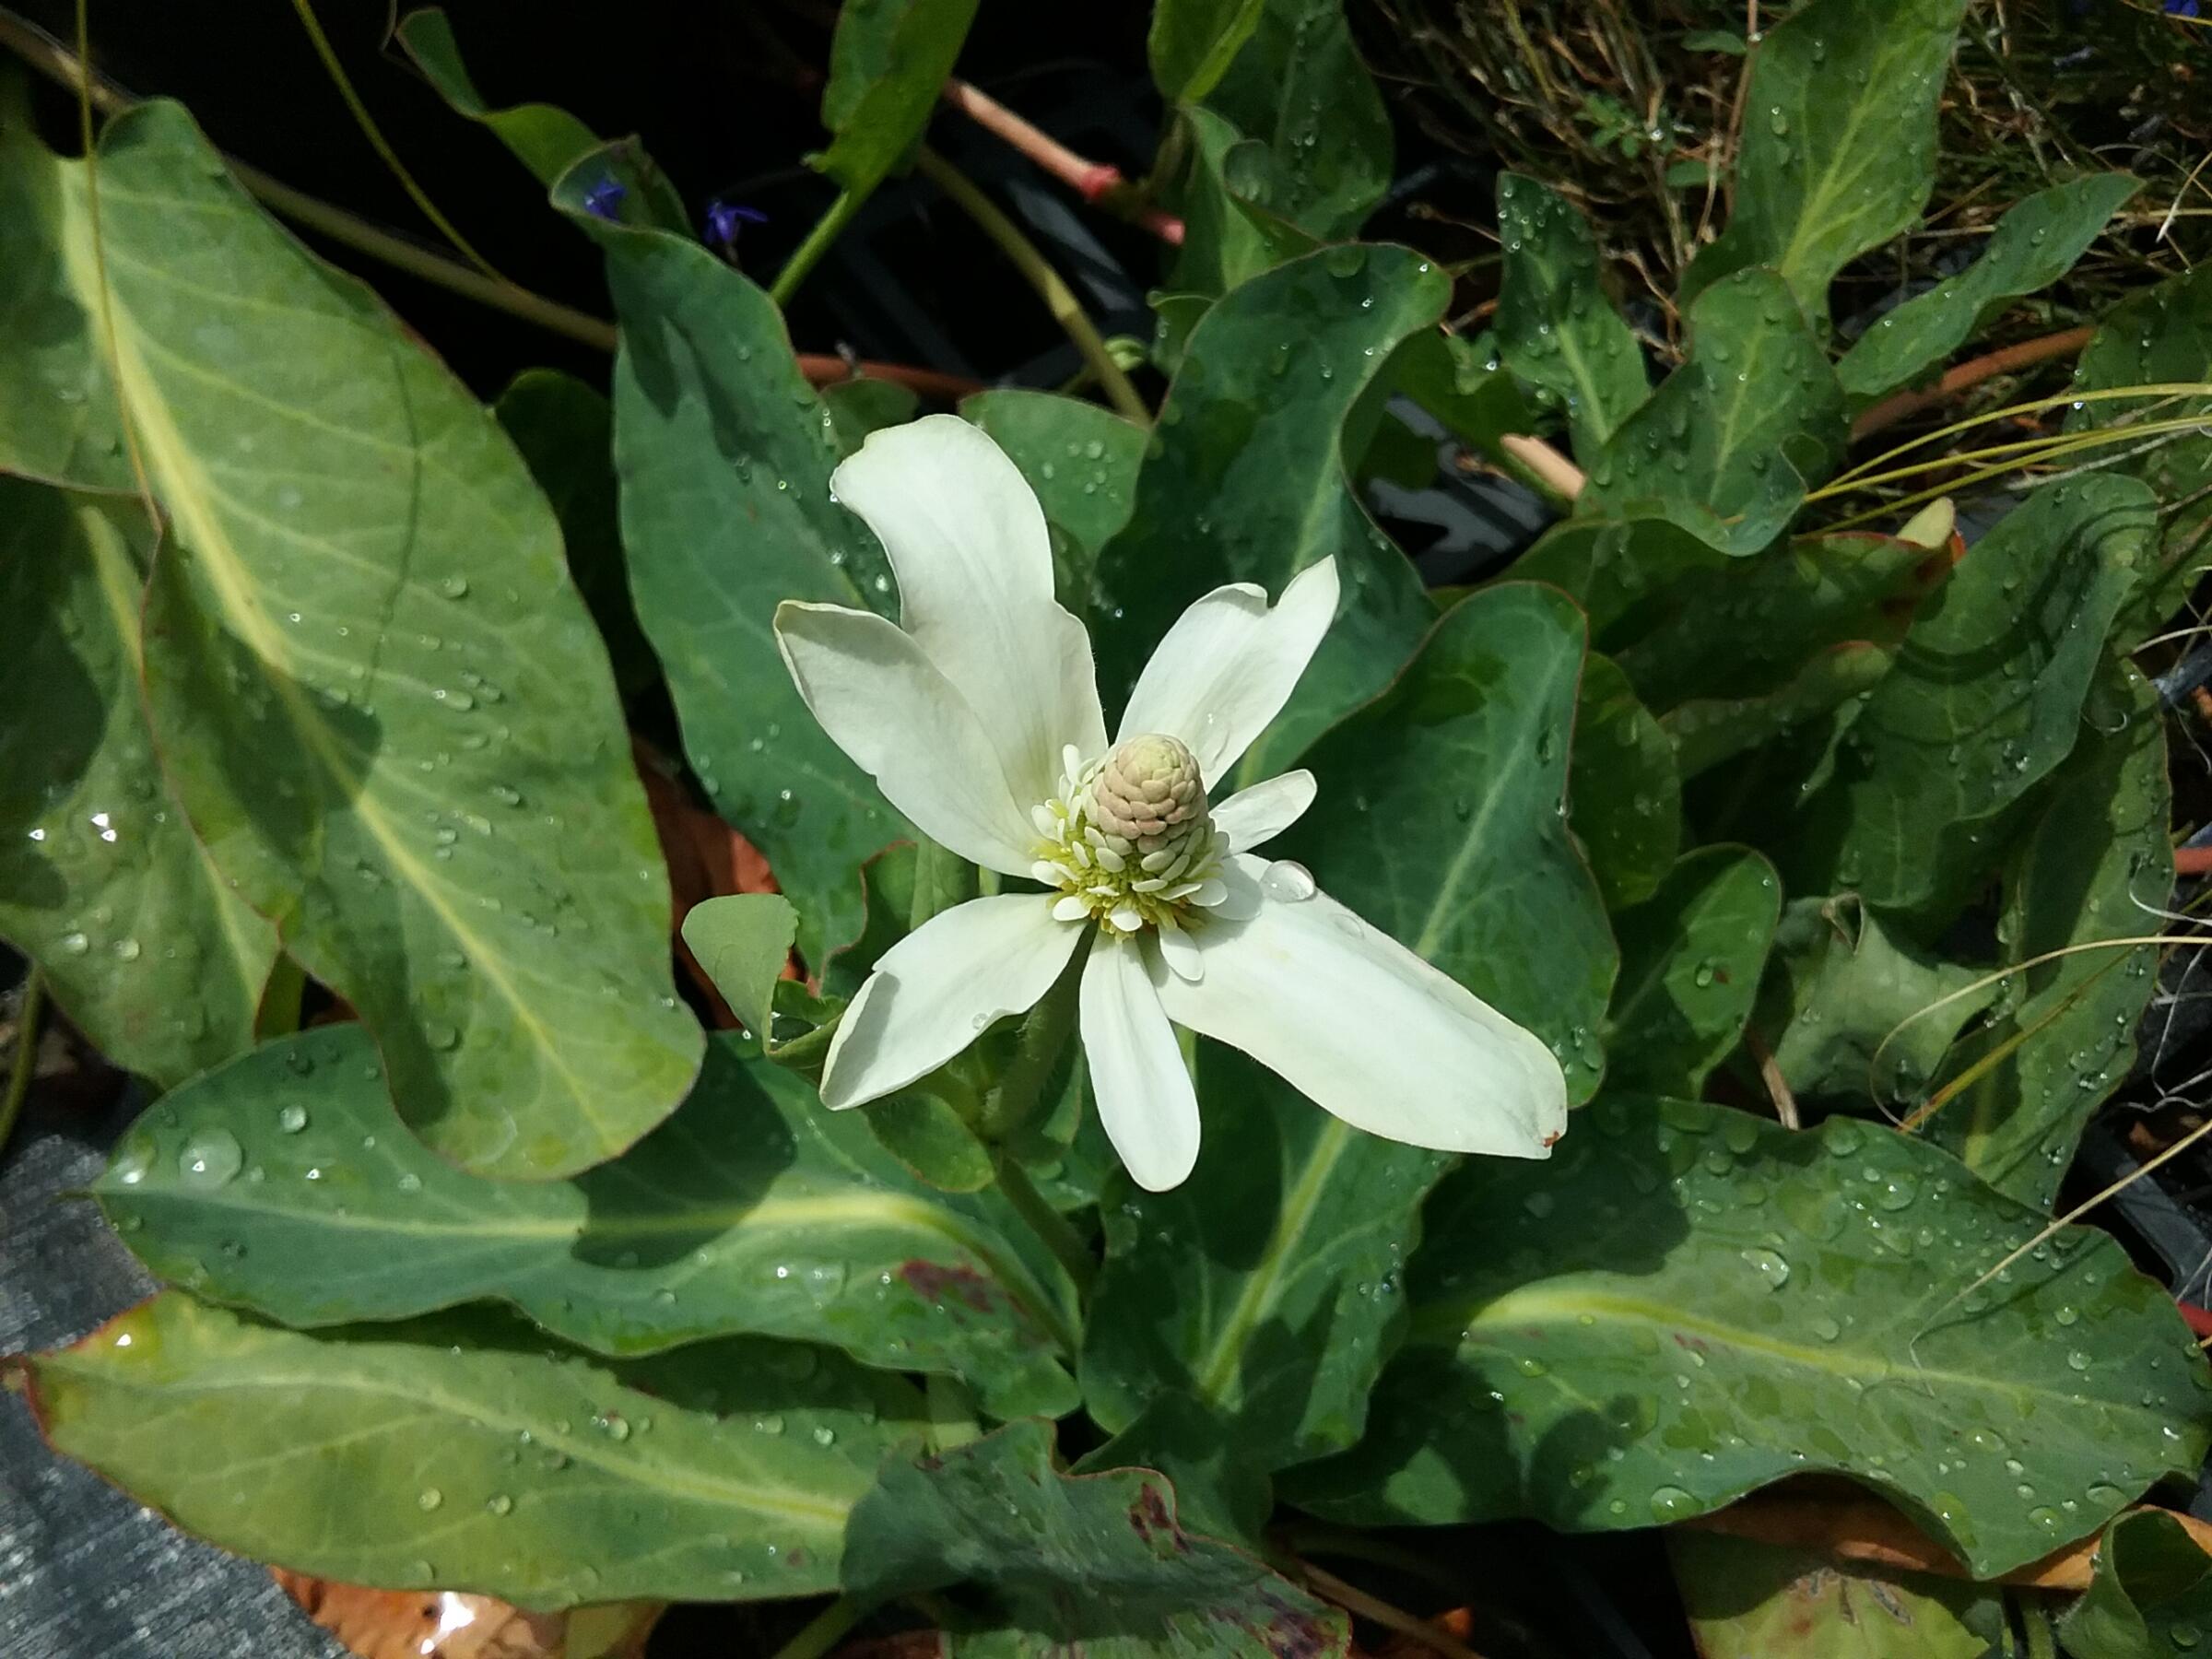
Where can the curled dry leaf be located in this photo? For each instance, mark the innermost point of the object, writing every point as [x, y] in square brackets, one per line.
[446, 1624]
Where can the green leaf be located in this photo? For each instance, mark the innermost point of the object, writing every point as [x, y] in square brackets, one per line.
[743, 940]
[1727, 445]
[1297, 85]
[862, 406]
[1244, 479]
[1624, 796]
[378, 696]
[143, 946]
[1839, 149]
[1265, 1285]
[279, 1183]
[565, 432]
[2034, 244]
[1080, 459]
[1230, 234]
[1778, 610]
[547, 140]
[58, 419]
[1556, 327]
[1439, 819]
[1707, 731]
[1986, 695]
[1686, 1303]
[465, 1454]
[1690, 959]
[888, 64]
[1857, 1014]
[2151, 1597]
[724, 454]
[1096, 1564]
[2095, 865]
[1191, 44]
[1463, 383]
[1218, 1490]
[2162, 337]
[1748, 1599]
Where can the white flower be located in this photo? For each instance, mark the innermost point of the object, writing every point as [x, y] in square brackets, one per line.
[978, 716]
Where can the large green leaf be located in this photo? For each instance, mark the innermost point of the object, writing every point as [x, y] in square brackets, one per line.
[466, 1452]
[1080, 459]
[1192, 42]
[1624, 794]
[2094, 866]
[1265, 1286]
[1090, 1564]
[724, 454]
[1439, 819]
[2151, 1597]
[1839, 149]
[102, 884]
[566, 433]
[2162, 337]
[376, 691]
[1726, 445]
[1856, 1014]
[1556, 327]
[887, 66]
[1748, 1599]
[2034, 244]
[1986, 695]
[58, 419]
[279, 1183]
[1686, 1303]
[1244, 479]
[1690, 959]
[1297, 85]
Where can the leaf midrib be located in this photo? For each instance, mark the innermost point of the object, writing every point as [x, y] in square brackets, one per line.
[1448, 1324]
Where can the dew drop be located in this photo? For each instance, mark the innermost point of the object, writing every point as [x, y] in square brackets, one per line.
[210, 1157]
[292, 1119]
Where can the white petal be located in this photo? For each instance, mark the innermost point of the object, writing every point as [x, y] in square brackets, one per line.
[974, 561]
[1263, 812]
[1230, 664]
[1180, 953]
[1365, 1028]
[1239, 899]
[1146, 1103]
[936, 990]
[885, 704]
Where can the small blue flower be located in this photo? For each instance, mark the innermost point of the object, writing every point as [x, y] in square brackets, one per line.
[2181, 8]
[604, 200]
[725, 220]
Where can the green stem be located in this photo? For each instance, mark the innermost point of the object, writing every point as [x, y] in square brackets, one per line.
[67, 69]
[808, 253]
[1058, 297]
[278, 1015]
[1036, 1052]
[1046, 1222]
[825, 1629]
[26, 1063]
[382, 146]
[2037, 1629]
